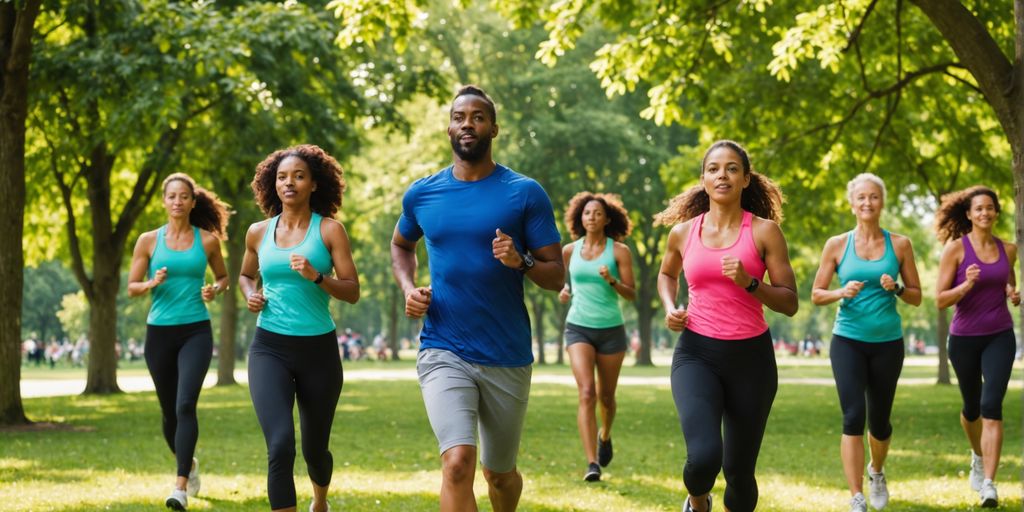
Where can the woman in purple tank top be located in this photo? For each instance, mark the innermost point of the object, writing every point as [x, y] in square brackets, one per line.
[976, 274]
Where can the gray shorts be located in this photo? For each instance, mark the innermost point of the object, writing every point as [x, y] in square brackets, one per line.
[607, 340]
[460, 395]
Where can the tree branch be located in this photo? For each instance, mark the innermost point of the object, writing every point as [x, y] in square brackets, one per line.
[855, 35]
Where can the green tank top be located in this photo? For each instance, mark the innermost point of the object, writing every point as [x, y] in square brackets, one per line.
[870, 316]
[179, 299]
[295, 305]
[594, 304]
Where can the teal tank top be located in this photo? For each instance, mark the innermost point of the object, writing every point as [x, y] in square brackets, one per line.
[295, 305]
[870, 316]
[594, 304]
[179, 299]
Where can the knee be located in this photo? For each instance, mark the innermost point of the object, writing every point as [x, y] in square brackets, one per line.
[853, 421]
[502, 481]
[992, 409]
[458, 465]
[702, 465]
[185, 409]
[588, 395]
[608, 400]
[281, 452]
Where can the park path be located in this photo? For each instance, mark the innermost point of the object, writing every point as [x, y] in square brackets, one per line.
[34, 388]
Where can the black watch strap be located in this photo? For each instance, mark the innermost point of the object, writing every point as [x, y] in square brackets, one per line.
[319, 278]
[754, 283]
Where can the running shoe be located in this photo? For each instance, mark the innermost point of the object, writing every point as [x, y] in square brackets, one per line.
[593, 473]
[977, 471]
[878, 491]
[604, 451]
[192, 488]
[858, 503]
[688, 508]
[178, 500]
[989, 498]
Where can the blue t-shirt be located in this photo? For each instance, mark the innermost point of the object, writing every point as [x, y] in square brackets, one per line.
[476, 309]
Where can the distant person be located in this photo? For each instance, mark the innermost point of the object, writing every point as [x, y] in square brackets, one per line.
[725, 235]
[976, 274]
[867, 339]
[170, 263]
[487, 228]
[600, 271]
[302, 257]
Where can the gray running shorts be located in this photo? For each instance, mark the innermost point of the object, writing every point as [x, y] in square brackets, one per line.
[607, 340]
[460, 395]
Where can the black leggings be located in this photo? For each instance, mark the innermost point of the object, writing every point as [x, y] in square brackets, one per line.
[283, 369]
[866, 375]
[731, 382]
[178, 357]
[978, 358]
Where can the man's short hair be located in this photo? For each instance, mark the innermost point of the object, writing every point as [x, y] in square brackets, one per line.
[472, 90]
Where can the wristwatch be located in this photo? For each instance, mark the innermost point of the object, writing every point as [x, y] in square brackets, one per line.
[527, 263]
[319, 278]
[753, 285]
[899, 289]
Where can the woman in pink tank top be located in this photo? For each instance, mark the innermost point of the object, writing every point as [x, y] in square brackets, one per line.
[725, 236]
[976, 274]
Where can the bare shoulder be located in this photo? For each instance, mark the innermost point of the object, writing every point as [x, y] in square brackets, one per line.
[621, 248]
[953, 248]
[900, 242]
[256, 230]
[682, 229]
[765, 229]
[1011, 249]
[568, 248]
[330, 226]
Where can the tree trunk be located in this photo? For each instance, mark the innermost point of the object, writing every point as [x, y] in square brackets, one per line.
[644, 314]
[941, 333]
[229, 311]
[563, 311]
[17, 22]
[102, 373]
[393, 340]
[538, 327]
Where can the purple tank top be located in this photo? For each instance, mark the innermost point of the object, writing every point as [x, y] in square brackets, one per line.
[983, 310]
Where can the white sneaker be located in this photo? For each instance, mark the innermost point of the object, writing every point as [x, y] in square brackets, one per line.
[858, 503]
[178, 500]
[193, 479]
[977, 471]
[877, 490]
[988, 496]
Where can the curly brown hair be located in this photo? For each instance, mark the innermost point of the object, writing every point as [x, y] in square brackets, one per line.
[619, 225]
[209, 213]
[762, 197]
[325, 200]
[951, 220]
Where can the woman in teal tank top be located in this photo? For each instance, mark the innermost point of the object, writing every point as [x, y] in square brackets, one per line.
[170, 263]
[600, 272]
[302, 258]
[867, 343]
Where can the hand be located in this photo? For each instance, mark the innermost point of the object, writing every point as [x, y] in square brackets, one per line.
[888, 283]
[209, 291]
[676, 318]
[603, 271]
[417, 301]
[505, 250]
[255, 301]
[158, 277]
[732, 268]
[564, 295]
[300, 264]
[851, 290]
[1013, 294]
[972, 273]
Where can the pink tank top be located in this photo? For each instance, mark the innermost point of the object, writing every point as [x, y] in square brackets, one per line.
[718, 307]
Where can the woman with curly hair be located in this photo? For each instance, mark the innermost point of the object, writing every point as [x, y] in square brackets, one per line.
[171, 262]
[600, 271]
[976, 274]
[725, 236]
[303, 258]
[867, 339]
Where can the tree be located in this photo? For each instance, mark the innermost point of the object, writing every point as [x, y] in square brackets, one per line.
[45, 287]
[17, 26]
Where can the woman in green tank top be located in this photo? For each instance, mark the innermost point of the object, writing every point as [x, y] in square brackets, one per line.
[867, 344]
[170, 263]
[600, 272]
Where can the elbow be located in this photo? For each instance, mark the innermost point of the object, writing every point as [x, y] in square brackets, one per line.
[353, 296]
[790, 307]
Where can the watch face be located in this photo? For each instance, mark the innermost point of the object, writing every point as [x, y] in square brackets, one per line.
[528, 260]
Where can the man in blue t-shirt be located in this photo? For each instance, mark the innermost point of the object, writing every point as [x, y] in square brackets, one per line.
[486, 226]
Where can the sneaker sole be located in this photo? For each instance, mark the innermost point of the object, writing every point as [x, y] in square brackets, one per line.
[990, 503]
[592, 477]
[174, 504]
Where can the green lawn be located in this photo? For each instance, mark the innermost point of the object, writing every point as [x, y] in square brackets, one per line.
[114, 458]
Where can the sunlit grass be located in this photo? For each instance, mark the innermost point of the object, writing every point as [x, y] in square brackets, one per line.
[386, 457]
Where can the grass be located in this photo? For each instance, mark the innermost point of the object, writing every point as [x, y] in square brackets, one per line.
[112, 455]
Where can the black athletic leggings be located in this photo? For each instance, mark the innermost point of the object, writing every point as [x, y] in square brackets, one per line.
[988, 357]
[866, 375]
[282, 370]
[730, 382]
[178, 357]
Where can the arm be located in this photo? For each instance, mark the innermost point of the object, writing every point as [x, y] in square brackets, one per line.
[908, 271]
[249, 274]
[216, 261]
[1011, 284]
[780, 296]
[668, 277]
[137, 282]
[344, 284]
[626, 287]
[403, 267]
[566, 293]
[548, 271]
[946, 296]
[820, 294]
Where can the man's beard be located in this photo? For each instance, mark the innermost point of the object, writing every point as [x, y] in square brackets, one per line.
[472, 153]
